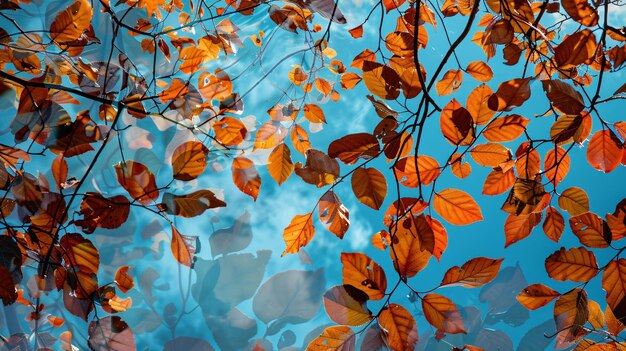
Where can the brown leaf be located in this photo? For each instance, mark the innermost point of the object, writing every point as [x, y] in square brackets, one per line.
[369, 186]
[563, 97]
[354, 146]
[192, 204]
[319, 170]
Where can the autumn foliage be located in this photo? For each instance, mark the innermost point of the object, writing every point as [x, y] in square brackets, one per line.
[120, 111]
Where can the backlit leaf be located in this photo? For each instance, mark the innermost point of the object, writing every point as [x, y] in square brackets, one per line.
[354, 146]
[450, 82]
[137, 179]
[510, 94]
[369, 186]
[457, 207]
[443, 314]
[279, 164]
[246, 177]
[363, 273]
[604, 151]
[614, 283]
[346, 305]
[299, 232]
[473, 273]
[575, 264]
[480, 71]
[335, 338]
[189, 160]
[183, 247]
[333, 214]
[574, 200]
[400, 326]
[536, 295]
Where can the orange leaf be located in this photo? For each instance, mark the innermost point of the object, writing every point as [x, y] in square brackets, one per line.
[409, 254]
[369, 186]
[450, 82]
[349, 80]
[56, 321]
[480, 71]
[604, 151]
[246, 177]
[381, 80]
[575, 264]
[457, 207]
[581, 11]
[440, 235]
[519, 227]
[178, 88]
[477, 104]
[59, 170]
[498, 182]
[490, 154]
[346, 305]
[456, 124]
[443, 314]
[299, 232]
[189, 160]
[72, 22]
[576, 49]
[336, 338]
[536, 295]
[279, 163]
[506, 128]
[392, 4]
[614, 283]
[556, 165]
[574, 200]
[333, 214]
[138, 181]
[184, 247]
[356, 32]
[407, 174]
[554, 224]
[571, 312]
[362, 272]
[314, 113]
[229, 131]
[510, 94]
[528, 162]
[123, 280]
[400, 326]
[591, 230]
[474, 273]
